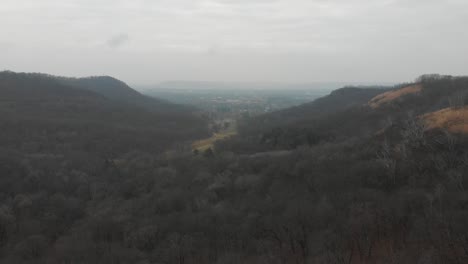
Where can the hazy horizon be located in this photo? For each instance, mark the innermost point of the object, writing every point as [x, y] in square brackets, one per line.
[234, 142]
[212, 85]
[258, 41]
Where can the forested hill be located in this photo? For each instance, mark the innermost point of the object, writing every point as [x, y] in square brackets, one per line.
[109, 87]
[352, 113]
[119, 91]
[381, 177]
[292, 127]
[338, 100]
[44, 113]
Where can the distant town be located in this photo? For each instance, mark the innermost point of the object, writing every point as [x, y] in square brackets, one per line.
[235, 103]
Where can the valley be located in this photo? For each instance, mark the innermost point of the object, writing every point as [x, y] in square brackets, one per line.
[233, 132]
[220, 101]
[225, 129]
[360, 175]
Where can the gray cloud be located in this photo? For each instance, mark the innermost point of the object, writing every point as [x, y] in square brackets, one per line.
[253, 40]
[117, 40]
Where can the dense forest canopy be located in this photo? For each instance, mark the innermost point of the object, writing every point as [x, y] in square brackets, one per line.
[43, 114]
[87, 178]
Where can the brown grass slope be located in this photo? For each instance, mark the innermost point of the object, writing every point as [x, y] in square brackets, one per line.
[391, 96]
[454, 120]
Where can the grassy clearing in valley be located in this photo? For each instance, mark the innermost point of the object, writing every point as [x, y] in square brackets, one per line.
[204, 144]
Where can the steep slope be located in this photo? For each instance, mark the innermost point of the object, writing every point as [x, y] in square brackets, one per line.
[374, 173]
[299, 125]
[115, 90]
[337, 101]
[393, 95]
[351, 113]
[119, 91]
[454, 120]
[40, 113]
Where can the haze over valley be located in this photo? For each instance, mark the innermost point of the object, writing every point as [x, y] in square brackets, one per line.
[295, 132]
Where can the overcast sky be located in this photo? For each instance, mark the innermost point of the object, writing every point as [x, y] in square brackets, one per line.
[148, 41]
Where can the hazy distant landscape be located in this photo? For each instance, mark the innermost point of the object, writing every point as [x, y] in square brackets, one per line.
[233, 132]
[95, 172]
[237, 101]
